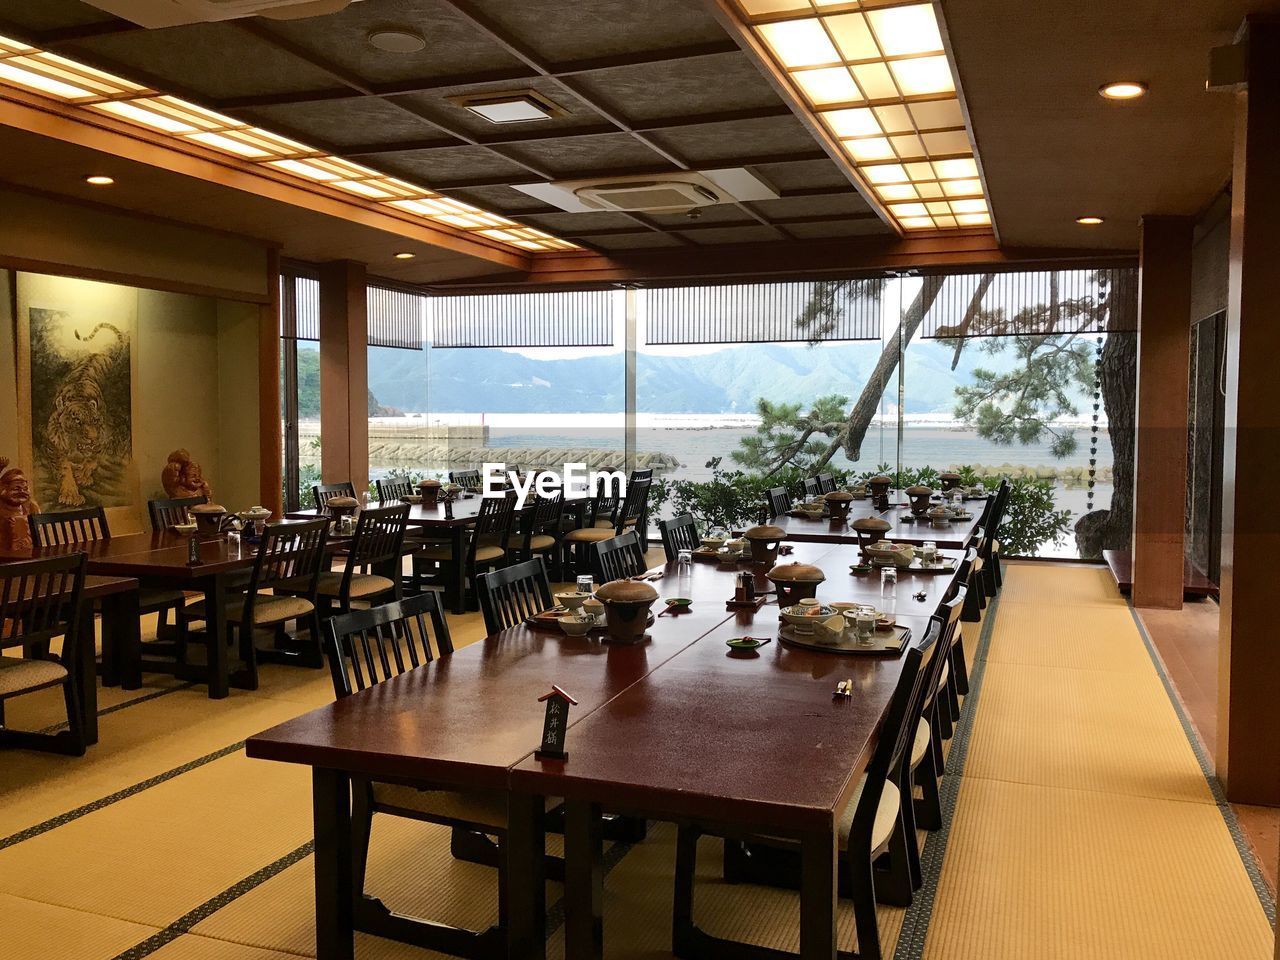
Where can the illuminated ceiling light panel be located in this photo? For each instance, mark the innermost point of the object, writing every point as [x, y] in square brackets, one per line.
[875, 73]
[37, 71]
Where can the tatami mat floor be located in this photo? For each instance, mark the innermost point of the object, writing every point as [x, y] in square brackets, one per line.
[167, 842]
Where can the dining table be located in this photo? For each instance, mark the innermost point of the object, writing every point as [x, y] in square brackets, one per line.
[904, 527]
[679, 727]
[450, 522]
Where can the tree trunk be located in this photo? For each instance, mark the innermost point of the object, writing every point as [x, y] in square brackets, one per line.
[854, 430]
[1113, 529]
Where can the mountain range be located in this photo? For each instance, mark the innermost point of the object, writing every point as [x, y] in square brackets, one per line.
[727, 381]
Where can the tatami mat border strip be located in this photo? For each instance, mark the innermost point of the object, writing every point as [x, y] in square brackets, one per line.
[915, 924]
[1247, 857]
[185, 923]
[88, 808]
[145, 698]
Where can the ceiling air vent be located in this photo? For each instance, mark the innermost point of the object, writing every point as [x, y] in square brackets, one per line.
[673, 192]
[154, 14]
[651, 196]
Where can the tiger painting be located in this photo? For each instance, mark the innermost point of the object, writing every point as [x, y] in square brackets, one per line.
[79, 431]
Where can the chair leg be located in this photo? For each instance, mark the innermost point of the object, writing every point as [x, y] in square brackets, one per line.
[75, 715]
[952, 701]
[972, 610]
[928, 809]
[316, 657]
[989, 577]
[997, 573]
[682, 927]
[862, 891]
[894, 885]
[959, 666]
[912, 845]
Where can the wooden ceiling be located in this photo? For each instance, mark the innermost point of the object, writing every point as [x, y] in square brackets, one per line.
[646, 87]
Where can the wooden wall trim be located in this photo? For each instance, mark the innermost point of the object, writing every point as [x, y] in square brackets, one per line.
[24, 265]
[269, 431]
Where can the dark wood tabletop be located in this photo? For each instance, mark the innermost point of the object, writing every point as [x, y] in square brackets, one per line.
[954, 535]
[465, 509]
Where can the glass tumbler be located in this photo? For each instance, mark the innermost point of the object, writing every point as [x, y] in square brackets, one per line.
[888, 581]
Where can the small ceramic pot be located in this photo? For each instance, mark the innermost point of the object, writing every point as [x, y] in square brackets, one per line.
[919, 495]
[949, 481]
[764, 542]
[879, 487]
[209, 517]
[795, 582]
[430, 493]
[339, 507]
[838, 503]
[626, 609]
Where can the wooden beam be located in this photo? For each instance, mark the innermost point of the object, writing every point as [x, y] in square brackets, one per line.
[1160, 461]
[344, 374]
[1248, 753]
[270, 444]
[827, 259]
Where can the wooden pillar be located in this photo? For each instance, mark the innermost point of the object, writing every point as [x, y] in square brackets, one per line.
[1248, 754]
[270, 449]
[344, 374]
[1160, 460]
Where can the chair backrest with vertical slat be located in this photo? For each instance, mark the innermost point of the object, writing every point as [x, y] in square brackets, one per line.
[544, 518]
[40, 599]
[378, 539]
[291, 555]
[641, 473]
[467, 479]
[511, 595]
[493, 523]
[167, 513]
[393, 488]
[679, 533]
[604, 504]
[826, 483]
[634, 505]
[947, 618]
[617, 558]
[811, 487]
[324, 492]
[69, 526]
[779, 501]
[366, 647]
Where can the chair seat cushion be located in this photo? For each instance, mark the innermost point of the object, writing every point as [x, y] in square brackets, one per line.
[18, 675]
[539, 541]
[362, 584]
[445, 553]
[920, 745]
[481, 807]
[886, 815]
[267, 609]
[590, 535]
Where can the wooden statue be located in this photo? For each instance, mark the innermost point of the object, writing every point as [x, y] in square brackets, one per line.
[182, 477]
[15, 506]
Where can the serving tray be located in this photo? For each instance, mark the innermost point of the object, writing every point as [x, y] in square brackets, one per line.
[891, 641]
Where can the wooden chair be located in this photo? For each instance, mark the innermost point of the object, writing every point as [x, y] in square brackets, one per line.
[617, 558]
[289, 559]
[933, 726]
[39, 601]
[974, 600]
[875, 848]
[826, 483]
[366, 647]
[959, 663]
[89, 525]
[168, 513]
[485, 550]
[393, 489]
[621, 517]
[779, 501]
[540, 531]
[679, 533]
[466, 479]
[372, 569]
[511, 595]
[991, 575]
[812, 488]
[324, 492]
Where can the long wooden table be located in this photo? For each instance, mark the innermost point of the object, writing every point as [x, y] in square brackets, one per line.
[676, 728]
[955, 535]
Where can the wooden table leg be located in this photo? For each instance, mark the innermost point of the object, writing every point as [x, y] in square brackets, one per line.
[819, 861]
[457, 542]
[523, 897]
[122, 640]
[583, 881]
[87, 680]
[331, 803]
[215, 625]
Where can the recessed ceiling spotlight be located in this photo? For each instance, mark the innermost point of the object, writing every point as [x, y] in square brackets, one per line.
[1088, 221]
[405, 256]
[1123, 90]
[99, 179]
[397, 40]
[518, 106]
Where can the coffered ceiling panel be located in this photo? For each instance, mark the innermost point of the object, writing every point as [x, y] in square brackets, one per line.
[343, 123]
